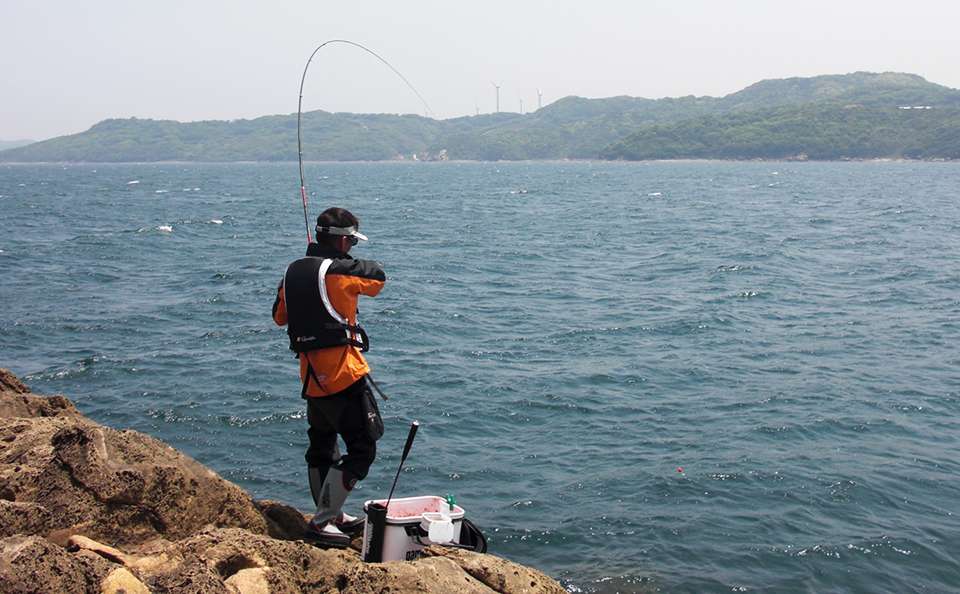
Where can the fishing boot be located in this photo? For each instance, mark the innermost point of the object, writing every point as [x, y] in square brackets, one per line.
[346, 523]
[322, 529]
[316, 475]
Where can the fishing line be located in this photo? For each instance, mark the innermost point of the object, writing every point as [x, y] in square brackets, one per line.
[303, 184]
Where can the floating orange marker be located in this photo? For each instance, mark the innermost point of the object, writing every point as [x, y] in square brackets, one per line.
[679, 470]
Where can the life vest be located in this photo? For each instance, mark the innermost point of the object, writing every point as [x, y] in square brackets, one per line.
[312, 321]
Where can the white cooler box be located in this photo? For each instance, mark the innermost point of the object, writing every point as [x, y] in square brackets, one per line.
[408, 526]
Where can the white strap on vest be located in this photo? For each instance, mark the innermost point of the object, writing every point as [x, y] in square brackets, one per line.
[325, 297]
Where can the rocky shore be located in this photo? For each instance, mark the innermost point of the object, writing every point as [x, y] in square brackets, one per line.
[86, 509]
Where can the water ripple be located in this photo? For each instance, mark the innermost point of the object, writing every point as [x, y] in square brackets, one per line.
[643, 377]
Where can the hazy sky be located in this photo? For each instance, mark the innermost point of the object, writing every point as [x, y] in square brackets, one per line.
[66, 65]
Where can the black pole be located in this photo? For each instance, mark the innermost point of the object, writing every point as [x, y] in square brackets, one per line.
[406, 450]
[376, 527]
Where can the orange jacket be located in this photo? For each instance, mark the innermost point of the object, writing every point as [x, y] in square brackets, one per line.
[336, 368]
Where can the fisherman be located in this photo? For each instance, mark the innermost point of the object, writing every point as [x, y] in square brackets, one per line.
[317, 301]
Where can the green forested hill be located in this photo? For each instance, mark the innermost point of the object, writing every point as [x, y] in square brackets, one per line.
[816, 131]
[571, 128]
[826, 117]
[335, 137]
[889, 89]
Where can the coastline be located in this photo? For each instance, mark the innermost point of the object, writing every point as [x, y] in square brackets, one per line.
[460, 162]
[86, 508]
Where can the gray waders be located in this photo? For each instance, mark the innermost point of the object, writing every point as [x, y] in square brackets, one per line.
[330, 527]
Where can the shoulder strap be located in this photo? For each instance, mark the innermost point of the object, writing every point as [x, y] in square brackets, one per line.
[324, 296]
[376, 387]
[354, 333]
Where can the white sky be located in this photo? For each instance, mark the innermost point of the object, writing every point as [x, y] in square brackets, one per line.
[67, 64]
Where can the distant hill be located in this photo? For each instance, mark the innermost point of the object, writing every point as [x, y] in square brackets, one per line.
[826, 117]
[571, 128]
[576, 128]
[337, 137]
[7, 144]
[812, 131]
[889, 89]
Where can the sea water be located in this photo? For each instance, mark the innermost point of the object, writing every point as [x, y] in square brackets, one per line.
[636, 377]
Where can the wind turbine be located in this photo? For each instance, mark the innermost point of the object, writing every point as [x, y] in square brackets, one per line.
[539, 98]
[521, 102]
[498, 93]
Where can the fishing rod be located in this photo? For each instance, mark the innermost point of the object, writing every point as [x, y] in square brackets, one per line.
[375, 529]
[303, 184]
[403, 458]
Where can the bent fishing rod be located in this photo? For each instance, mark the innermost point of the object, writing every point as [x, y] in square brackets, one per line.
[303, 184]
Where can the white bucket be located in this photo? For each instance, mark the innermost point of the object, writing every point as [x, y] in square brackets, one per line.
[405, 518]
